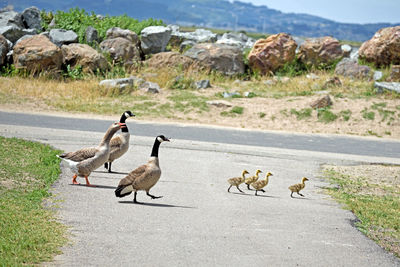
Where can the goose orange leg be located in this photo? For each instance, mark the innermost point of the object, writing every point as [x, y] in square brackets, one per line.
[74, 179]
[87, 181]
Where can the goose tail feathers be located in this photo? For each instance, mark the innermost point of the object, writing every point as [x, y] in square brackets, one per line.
[123, 190]
[73, 165]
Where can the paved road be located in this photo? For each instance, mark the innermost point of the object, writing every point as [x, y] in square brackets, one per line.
[321, 143]
[197, 223]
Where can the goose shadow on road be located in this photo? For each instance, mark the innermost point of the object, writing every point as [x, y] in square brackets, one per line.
[94, 186]
[156, 205]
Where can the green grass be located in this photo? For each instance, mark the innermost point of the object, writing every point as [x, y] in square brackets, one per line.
[376, 205]
[368, 115]
[345, 114]
[326, 116]
[233, 112]
[302, 114]
[29, 233]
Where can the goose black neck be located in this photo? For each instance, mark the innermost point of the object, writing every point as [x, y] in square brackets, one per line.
[154, 152]
[122, 120]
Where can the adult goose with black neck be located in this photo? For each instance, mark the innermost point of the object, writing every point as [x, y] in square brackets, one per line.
[119, 144]
[144, 177]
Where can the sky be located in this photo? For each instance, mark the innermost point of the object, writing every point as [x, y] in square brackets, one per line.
[348, 11]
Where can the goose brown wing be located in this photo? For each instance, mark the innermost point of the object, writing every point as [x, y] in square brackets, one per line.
[81, 154]
[133, 175]
[115, 143]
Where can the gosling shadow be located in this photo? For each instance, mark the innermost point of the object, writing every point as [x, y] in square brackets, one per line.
[253, 195]
[304, 198]
[156, 205]
[94, 186]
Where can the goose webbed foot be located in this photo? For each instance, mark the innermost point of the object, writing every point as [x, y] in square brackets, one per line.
[74, 179]
[300, 194]
[88, 183]
[153, 197]
[262, 190]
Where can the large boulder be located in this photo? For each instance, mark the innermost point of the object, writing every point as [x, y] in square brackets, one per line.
[3, 49]
[10, 18]
[85, 56]
[169, 59]
[116, 32]
[13, 33]
[198, 36]
[154, 39]
[238, 39]
[36, 54]
[121, 50]
[350, 68]
[31, 18]
[268, 55]
[63, 37]
[223, 58]
[317, 51]
[384, 47]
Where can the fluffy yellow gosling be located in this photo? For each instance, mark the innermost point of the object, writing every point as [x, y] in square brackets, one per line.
[252, 179]
[297, 187]
[236, 181]
[259, 185]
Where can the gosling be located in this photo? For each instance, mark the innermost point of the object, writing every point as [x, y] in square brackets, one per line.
[259, 185]
[297, 187]
[252, 179]
[236, 181]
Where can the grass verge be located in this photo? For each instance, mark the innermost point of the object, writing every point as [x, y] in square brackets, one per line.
[29, 233]
[372, 193]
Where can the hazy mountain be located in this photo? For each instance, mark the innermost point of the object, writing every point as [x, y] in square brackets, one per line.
[216, 14]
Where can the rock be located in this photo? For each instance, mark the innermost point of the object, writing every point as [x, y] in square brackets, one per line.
[241, 40]
[312, 76]
[322, 102]
[203, 84]
[346, 49]
[31, 18]
[231, 94]
[91, 35]
[118, 83]
[395, 73]
[13, 33]
[387, 86]
[116, 32]
[63, 37]
[4, 49]
[186, 45]
[268, 55]
[85, 56]
[53, 23]
[384, 47]
[37, 54]
[219, 103]
[154, 39]
[222, 58]
[334, 81]
[150, 87]
[168, 60]
[350, 68]
[23, 38]
[198, 36]
[121, 50]
[281, 79]
[11, 18]
[317, 51]
[378, 75]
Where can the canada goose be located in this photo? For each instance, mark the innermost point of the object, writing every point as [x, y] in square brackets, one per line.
[259, 185]
[236, 181]
[119, 144]
[85, 160]
[297, 187]
[252, 179]
[143, 177]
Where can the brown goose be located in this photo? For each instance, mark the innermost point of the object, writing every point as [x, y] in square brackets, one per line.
[236, 181]
[119, 144]
[259, 185]
[143, 177]
[85, 160]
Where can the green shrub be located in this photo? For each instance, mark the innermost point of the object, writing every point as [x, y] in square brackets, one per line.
[325, 115]
[368, 115]
[345, 114]
[301, 114]
[78, 20]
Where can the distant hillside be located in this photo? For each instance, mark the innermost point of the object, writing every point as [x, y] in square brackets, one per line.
[215, 14]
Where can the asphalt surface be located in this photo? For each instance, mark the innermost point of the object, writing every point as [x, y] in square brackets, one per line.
[321, 143]
[197, 222]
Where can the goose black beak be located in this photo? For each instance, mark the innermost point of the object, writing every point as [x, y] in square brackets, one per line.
[166, 139]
